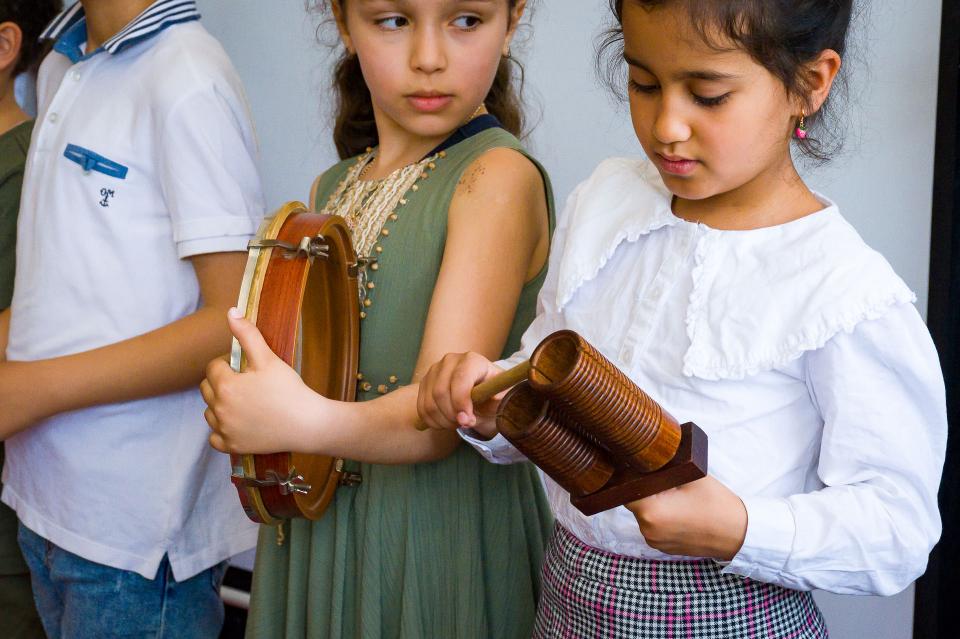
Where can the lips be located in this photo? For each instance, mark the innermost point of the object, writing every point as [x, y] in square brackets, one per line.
[429, 102]
[675, 165]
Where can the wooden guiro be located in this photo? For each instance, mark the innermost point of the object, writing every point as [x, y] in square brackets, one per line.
[590, 428]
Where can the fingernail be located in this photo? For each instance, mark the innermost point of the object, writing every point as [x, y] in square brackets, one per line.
[235, 313]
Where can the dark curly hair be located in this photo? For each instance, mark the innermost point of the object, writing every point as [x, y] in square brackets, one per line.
[32, 16]
[354, 127]
[780, 35]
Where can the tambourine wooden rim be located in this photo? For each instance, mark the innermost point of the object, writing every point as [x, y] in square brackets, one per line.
[300, 289]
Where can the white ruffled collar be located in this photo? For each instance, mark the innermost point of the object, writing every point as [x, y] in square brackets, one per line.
[619, 203]
[750, 309]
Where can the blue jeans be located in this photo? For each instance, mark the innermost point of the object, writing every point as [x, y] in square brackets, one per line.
[80, 599]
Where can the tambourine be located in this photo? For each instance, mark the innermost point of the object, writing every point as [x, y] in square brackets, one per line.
[300, 289]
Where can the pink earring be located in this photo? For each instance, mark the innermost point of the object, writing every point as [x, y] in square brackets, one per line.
[801, 130]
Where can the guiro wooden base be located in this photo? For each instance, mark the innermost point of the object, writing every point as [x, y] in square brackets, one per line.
[591, 429]
[626, 485]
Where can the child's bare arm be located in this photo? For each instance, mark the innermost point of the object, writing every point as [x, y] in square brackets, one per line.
[444, 400]
[497, 227]
[165, 360]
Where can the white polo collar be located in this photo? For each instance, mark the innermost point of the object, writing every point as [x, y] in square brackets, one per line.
[69, 29]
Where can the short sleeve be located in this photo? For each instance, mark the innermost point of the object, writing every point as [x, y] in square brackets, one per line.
[208, 173]
[870, 529]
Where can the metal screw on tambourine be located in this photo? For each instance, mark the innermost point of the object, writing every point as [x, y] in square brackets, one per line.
[291, 484]
[358, 268]
[313, 247]
[309, 247]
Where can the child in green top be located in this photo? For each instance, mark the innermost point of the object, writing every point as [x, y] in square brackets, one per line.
[458, 217]
[21, 22]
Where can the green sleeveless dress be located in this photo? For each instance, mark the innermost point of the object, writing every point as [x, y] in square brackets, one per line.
[442, 550]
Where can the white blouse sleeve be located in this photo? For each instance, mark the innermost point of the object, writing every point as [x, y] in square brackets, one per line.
[496, 451]
[870, 529]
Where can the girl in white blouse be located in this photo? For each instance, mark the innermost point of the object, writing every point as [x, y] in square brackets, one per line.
[742, 301]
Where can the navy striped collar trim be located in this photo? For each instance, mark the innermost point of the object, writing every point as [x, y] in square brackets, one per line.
[69, 28]
[63, 22]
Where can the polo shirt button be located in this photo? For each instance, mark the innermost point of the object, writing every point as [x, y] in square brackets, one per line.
[75, 75]
[53, 117]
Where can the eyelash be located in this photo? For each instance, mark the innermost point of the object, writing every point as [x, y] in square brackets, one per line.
[648, 89]
[382, 23]
[476, 22]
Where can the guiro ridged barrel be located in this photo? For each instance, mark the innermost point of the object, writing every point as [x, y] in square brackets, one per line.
[542, 433]
[603, 402]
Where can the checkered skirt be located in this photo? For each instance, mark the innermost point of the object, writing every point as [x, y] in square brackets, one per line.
[595, 594]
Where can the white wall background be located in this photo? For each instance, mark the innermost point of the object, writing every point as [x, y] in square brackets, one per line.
[882, 181]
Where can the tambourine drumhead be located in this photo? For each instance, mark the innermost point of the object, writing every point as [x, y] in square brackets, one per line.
[300, 288]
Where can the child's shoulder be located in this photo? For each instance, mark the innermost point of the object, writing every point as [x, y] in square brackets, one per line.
[624, 195]
[187, 58]
[494, 156]
[495, 145]
[328, 179]
[620, 202]
[765, 297]
[635, 177]
[822, 251]
[187, 42]
[16, 140]
[759, 298]
[13, 156]
[625, 198]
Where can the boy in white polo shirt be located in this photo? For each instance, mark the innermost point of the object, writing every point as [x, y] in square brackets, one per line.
[140, 194]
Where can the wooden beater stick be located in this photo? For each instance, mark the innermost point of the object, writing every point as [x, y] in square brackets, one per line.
[499, 382]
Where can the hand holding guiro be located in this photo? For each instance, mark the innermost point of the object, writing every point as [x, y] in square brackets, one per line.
[444, 400]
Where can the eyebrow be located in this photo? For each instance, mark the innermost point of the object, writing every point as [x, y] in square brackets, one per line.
[448, 1]
[684, 75]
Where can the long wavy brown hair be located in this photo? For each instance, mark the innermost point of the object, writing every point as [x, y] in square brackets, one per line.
[354, 127]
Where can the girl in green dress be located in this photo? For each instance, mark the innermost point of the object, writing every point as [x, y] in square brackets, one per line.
[434, 543]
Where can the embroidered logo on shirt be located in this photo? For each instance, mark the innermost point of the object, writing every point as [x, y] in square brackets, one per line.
[106, 194]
